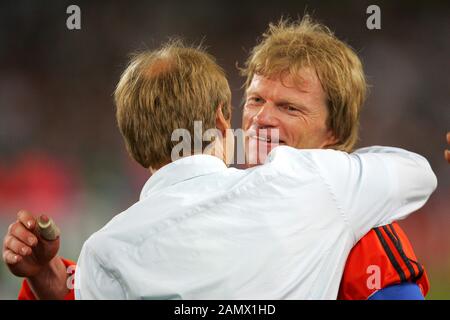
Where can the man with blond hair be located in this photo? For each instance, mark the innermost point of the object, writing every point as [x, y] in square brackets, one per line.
[308, 86]
[200, 230]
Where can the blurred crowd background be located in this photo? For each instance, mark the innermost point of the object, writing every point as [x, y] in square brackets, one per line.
[61, 152]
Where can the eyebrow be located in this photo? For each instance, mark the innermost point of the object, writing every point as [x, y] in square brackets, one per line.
[250, 91]
[298, 105]
[284, 101]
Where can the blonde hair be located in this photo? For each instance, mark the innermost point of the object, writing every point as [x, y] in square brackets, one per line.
[291, 46]
[164, 90]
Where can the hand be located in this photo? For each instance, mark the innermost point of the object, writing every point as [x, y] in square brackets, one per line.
[28, 255]
[447, 152]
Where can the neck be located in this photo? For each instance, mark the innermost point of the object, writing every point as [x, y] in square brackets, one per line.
[215, 149]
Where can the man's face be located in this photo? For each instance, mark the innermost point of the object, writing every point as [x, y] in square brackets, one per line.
[297, 110]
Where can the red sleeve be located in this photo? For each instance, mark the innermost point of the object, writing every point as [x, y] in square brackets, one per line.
[25, 292]
[383, 257]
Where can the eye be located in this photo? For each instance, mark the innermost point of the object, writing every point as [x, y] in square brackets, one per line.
[290, 109]
[254, 100]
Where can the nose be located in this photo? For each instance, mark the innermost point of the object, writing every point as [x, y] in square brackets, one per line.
[266, 116]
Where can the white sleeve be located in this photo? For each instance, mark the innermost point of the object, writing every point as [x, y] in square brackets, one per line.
[94, 280]
[372, 186]
[377, 185]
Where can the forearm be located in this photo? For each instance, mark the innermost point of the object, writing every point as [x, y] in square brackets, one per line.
[51, 283]
[407, 179]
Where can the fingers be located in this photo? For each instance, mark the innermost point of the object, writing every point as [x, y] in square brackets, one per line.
[47, 228]
[17, 246]
[27, 219]
[448, 137]
[18, 231]
[10, 257]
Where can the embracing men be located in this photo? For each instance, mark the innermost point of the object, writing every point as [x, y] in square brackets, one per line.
[279, 230]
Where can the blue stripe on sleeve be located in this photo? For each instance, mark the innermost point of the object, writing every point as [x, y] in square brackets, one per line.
[402, 291]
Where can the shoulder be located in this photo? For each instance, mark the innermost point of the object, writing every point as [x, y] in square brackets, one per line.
[383, 257]
[102, 244]
[288, 158]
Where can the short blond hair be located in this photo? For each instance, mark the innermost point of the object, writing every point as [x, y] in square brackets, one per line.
[291, 46]
[164, 90]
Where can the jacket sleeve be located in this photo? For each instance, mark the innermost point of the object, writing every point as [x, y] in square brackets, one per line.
[383, 257]
[376, 186]
[95, 279]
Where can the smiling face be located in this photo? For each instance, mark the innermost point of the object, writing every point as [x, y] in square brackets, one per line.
[296, 110]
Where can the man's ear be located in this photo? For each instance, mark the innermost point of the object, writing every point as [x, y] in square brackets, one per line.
[222, 124]
[330, 141]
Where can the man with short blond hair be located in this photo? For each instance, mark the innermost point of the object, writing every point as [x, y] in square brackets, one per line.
[305, 48]
[168, 88]
[308, 86]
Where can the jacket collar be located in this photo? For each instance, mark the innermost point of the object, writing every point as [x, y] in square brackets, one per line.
[181, 170]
